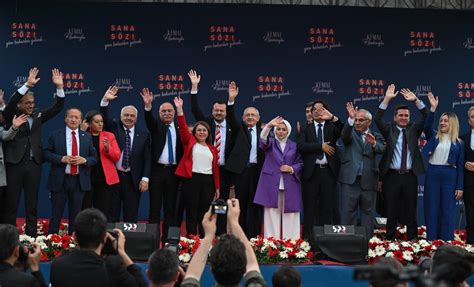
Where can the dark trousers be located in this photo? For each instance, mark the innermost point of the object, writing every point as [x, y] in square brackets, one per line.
[179, 205]
[400, 193]
[163, 192]
[225, 182]
[3, 193]
[318, 199]
[468, 197]
[126, 194]
[250, 213]
[198, 193]
[26, 176]
[71, 193]
[100, 197]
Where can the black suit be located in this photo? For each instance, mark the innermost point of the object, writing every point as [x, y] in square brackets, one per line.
[23, 157]
[86, 268]
[11, 277]
[468, 194]
[401, 190]
[319, 200]
[163, 181]
[140, 166]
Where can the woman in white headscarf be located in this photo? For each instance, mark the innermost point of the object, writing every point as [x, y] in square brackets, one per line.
[279, 187]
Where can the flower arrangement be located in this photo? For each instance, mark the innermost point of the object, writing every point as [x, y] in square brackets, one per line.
[52, 245]
[271, 250]
[42, 228]
[187, 247]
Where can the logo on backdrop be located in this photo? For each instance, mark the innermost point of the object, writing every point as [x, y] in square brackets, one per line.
[370, 90]
[123, 84]
[222, 37]
[422, 90]
[221, 85]
[465, 94]
[322, 39]
[122, 36]
[170, 85]
[173, 35]
[322, 88]
[273, 37]
[75, 34]
[373, 40]
[24, 33]
[271, 87]
[19, 81]
[422, 43]
[74, 83]
[468, 44]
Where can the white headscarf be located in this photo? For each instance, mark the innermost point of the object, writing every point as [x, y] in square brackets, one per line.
[288, 127]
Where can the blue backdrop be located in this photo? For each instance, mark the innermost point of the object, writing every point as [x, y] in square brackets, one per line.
[280, 56]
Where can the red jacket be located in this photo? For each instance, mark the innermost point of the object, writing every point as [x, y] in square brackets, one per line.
[185, 166]
[108, 159]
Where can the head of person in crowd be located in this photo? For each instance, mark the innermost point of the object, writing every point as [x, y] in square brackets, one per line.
[11, 250]
[128, 116]
[202, 132]
[26, 105]
[286, 276]
[228, 260]
[309, 112]
[163, 268]
[470, 117]
[95, 122]
[362, 120]
[91, 229]
[219, 111]
[282, 130]
[396, 268]
[448, 125]
[167, 113]
[318, 109]
[402, 116]
[73, 118]
[251, 117]
[452, 265]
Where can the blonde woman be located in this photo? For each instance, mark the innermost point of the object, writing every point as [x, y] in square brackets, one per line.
[444, 178]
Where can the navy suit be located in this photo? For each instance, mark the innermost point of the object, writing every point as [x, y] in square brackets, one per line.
[64, 187]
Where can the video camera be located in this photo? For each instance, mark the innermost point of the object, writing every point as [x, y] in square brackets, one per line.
[386, 275]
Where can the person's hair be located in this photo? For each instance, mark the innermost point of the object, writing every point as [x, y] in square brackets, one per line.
[400, 107]
[368, 115]
[452, 264]
[453, 132]
[163, 266]
[324, 103]
[9, 239]
[228, 260]
[72, 108]
[91, 114]
[219, 103]
[286, 277]
[208, 128]
[470, 110]
[391, 263]
[309, 105]
[90, 226]
[245, 110]
[129, 107]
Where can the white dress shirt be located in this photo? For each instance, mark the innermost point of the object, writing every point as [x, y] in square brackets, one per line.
[164, 157]
[223, 130]
[324, 160]
[69, 147]
[253, 150]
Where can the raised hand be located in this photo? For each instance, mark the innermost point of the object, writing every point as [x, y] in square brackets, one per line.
[408, 95]
[105, 141]
[276, 121]
[391, 93]
[325, 114]
[84, 126]
[370, 138]
[110, 94]
[298, 127]
[57, 78]
[195, 79]
[18, 121]
[327, 149]
[233, 91]
[178, 102]
[147, 97]
[433, 101]
[32, 77]
[351, 111]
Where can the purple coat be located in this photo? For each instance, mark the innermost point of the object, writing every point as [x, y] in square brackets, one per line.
[269, 182]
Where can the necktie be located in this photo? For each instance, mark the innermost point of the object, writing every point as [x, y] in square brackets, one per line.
[74, 152]
[170, 145]
[126, 151]
[319, 140]
[218, 141]
[403, 165]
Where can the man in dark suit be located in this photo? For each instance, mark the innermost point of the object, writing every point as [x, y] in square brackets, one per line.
[166, 150]
[24, 154]
[86, 267]
[317, 144]
[134, 165]
[223, 137]
[359, 173]
[71, 153]
[402, 162]
[9, 256]
[468, 196]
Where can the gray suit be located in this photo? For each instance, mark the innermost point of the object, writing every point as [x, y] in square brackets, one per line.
[5, 135]
[359, 183]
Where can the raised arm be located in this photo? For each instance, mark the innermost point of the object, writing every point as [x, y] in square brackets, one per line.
[49, 113]
[150, 121]
[182, 126]
[10, 109]
[195, 109]
[381, 124]
[8, 135]
[110, 95]
[231, 119]
[346, 135]
[411, 97]
[265, 142]
[428, 128]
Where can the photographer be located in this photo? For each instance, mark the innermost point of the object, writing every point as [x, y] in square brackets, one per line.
[163, 268]
[452, 265]
[12, 252]
[87, 266]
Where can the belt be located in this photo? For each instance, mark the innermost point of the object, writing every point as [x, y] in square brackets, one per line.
[121, 172]
[318, 165]
[409, 171]
[251, 164]
[166, 165]
[68, 174]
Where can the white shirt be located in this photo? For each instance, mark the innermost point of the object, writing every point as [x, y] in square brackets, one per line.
[164, 157]
[397, 153]
[472, 139]
[441, 153]
[118, 164]
[69, 147]
[202, 159]
[324, 160]
[223, 130]
[253, 150]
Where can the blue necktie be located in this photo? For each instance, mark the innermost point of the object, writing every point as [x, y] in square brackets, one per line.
[170, 145]
[126, 151]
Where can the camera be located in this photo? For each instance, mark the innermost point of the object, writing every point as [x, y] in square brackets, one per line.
[219, 207]
[387, 275]
[111, 246]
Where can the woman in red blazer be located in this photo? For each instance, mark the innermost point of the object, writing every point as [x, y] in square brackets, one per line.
[199, 169]
[103, 174]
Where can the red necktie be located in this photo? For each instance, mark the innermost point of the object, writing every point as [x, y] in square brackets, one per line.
[218, 141]
[74, 152]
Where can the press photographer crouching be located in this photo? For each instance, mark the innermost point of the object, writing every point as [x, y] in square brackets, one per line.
[88, 265]
[12, 253]
[164, 269]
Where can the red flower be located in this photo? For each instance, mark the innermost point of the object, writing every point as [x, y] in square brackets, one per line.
[44, 256]
[310, 255]
[272, 252]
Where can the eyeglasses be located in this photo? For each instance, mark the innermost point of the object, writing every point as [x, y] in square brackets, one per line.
[360, 120]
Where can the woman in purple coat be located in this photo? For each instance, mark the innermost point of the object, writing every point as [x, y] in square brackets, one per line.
[279, 186]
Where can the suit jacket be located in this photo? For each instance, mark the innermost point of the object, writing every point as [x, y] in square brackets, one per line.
[140, 155]
[468, 156]
[108, 159]
[185, 166]
[6, 135]
[309, 148]
[356, 152]
[15, 149]
[390, 132]
[11, 277]
[157, 130]
[269, 181]
[86, 268]
[57, 149]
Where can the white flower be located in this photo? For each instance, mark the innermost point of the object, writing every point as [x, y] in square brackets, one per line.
[305, 246]
[41, 239]
[389, 254]
[416, 247]
[272, 245]
[185, 257]
[379, 250]
[288, 249]
[407, 256]
[392, 246]
[292, 241]
[26, 238]
[403, 230]
[372, 253]
[423, 243]
[406, 244]
[300, 254]
[375, 240]
[283, 255]
[469, 248]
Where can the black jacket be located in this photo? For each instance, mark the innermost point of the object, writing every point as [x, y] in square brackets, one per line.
[11, 277]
